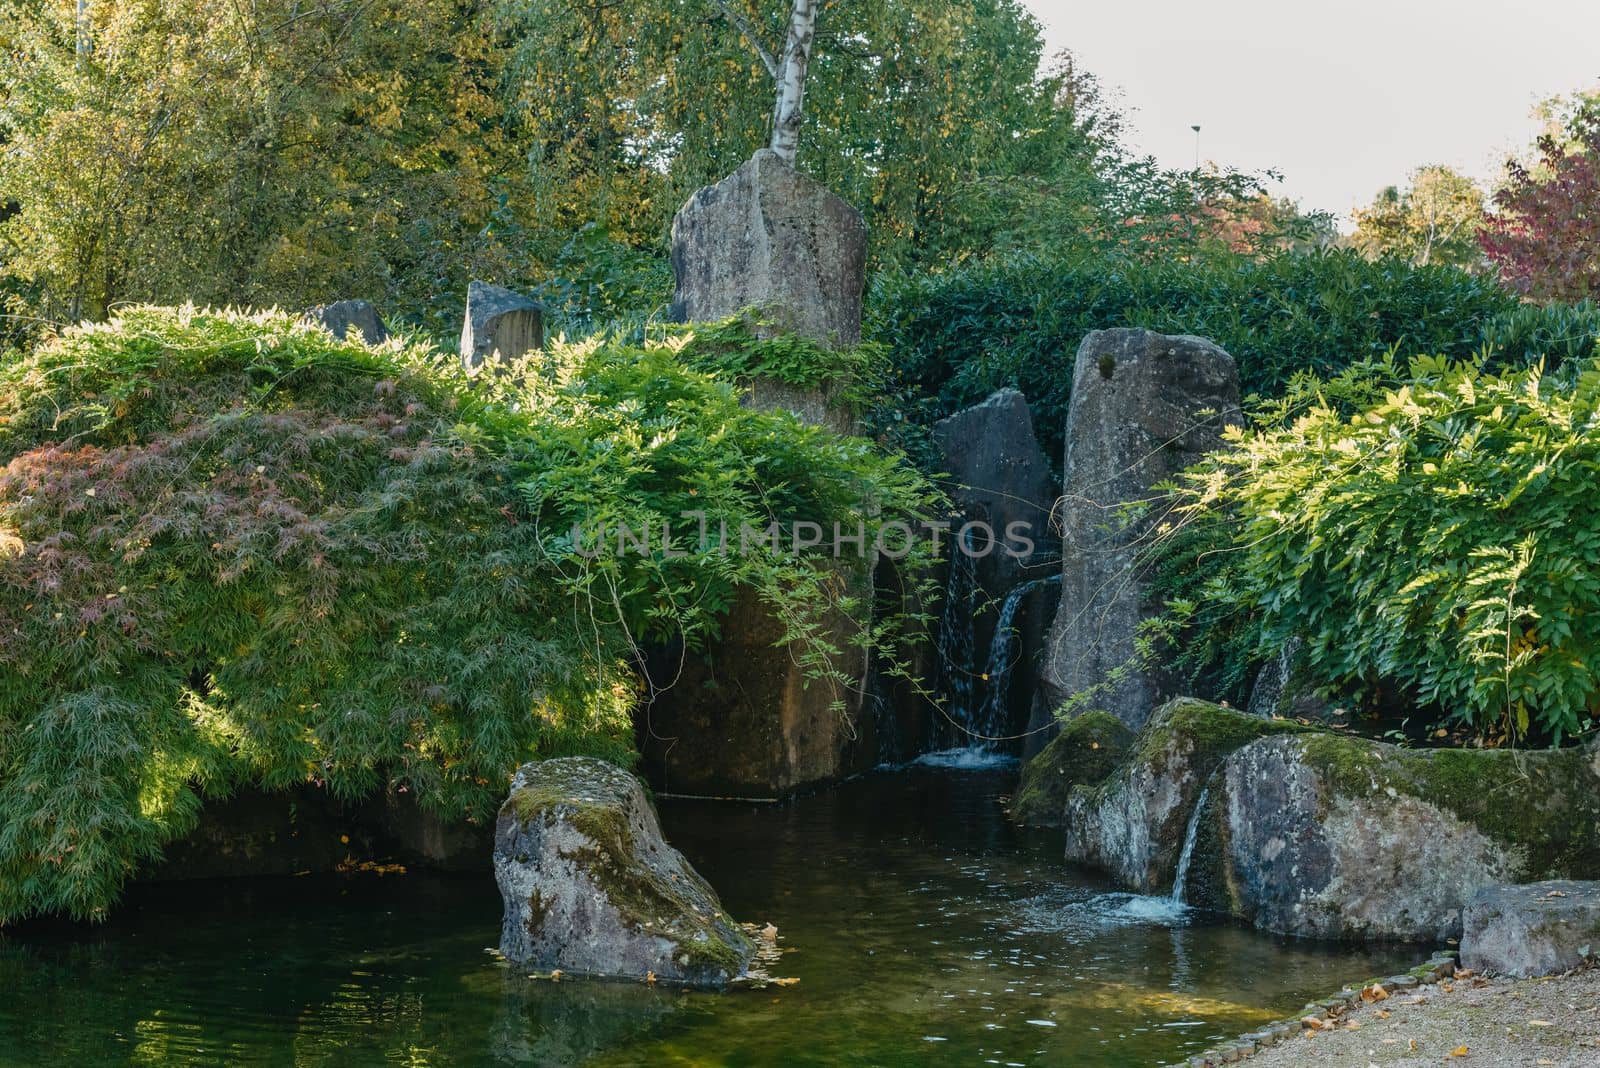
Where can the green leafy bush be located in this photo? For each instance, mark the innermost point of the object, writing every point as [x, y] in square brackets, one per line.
[235, 551]
[954, 337]
[1436, 538]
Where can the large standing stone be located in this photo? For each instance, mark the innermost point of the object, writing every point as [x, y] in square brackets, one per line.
[592, 888]
[1332, 836]
[1534, 929]
[1144, 406]
[499, 325]
[342, 316]
[1134, 823]
[769, 236]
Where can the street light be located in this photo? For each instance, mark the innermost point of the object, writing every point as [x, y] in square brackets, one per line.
[1196, 129]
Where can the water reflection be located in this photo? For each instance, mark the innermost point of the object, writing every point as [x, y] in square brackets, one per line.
[919, 924]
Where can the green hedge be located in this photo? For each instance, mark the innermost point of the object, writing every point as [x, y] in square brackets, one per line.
[958, 335]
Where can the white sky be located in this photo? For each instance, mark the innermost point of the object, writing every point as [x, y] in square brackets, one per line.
[1341, 98]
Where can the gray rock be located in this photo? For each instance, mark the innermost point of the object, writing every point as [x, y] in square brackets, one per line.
[1133, 825]
[770, 237]
[1144, 406]
[1535, 929]
[591, 887]
[340, 317]
[1330, 836]
[499, 325]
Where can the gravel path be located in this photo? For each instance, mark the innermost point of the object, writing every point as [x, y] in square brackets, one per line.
[1490, 1022]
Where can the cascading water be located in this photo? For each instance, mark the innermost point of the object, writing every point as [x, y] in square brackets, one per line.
[994, 721]
[1187, 855]
[957, 651]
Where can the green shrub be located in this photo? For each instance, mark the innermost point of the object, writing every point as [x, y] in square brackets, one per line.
[954, 337]
[1436, 539]
[235, 551]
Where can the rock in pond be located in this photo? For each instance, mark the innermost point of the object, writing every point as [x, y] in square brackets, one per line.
[1332, 836]
[591, 888]
[1535, 929]
[1133, 824]
[1085, 753]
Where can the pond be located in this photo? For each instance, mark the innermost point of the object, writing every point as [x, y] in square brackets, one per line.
[921, 926]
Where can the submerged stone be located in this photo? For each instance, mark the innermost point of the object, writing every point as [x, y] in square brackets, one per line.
[591, 888]
[1132, 825]
[1085, 753]
[1331, 836]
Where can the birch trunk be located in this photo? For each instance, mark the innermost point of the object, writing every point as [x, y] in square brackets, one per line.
[792, 81]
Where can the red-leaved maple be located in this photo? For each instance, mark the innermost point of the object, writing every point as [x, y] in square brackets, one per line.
[1544, 236]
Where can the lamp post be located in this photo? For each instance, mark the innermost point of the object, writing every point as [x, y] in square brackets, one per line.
[1196, 129]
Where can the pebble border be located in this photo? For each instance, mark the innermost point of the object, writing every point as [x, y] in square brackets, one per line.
[1440, 966]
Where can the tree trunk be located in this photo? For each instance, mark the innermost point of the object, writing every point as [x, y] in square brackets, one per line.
[792, 80]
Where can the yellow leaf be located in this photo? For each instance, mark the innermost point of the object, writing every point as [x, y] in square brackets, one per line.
[1459, 1051]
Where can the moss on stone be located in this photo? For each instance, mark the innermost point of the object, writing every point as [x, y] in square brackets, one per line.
[684, 910]
[1543, 804]
[1088, 749]
[1201, 734]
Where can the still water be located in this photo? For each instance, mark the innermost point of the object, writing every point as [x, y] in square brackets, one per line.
[922, 929]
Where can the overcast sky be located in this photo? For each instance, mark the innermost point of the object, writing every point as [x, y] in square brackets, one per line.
[1342, 98]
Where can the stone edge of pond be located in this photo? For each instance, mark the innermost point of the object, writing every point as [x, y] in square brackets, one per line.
[1320, 1014]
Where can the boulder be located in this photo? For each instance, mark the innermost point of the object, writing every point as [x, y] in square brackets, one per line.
[1133, 824]
[1536, 929]
[499, 325]
[1144, 406]
[998, 476]
[342, 316]
[591, 888]
[767, 236]
[1085, 753]
[1332, 836]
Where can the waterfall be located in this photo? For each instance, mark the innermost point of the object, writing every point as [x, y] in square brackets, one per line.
[994, 721]
[956, 641]
[1185, 857]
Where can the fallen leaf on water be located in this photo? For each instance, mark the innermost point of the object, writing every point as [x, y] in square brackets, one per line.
[1459, 1051]
[1412, 1045]
[1540, 1023]
[1383, 1014]
[785, 982]
[650, 978]
[1556, 893]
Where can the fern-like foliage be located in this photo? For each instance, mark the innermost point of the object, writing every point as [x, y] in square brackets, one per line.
[1427, 529]
[236, 551]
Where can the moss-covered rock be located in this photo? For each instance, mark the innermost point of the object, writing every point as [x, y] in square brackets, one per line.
[1332, 836]
[1088, 749]
[592, 888]
[1132, 825]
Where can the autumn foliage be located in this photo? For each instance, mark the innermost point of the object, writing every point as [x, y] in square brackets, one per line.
[1544, 236]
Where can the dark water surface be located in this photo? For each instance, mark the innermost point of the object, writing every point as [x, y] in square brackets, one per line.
[922, 928]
